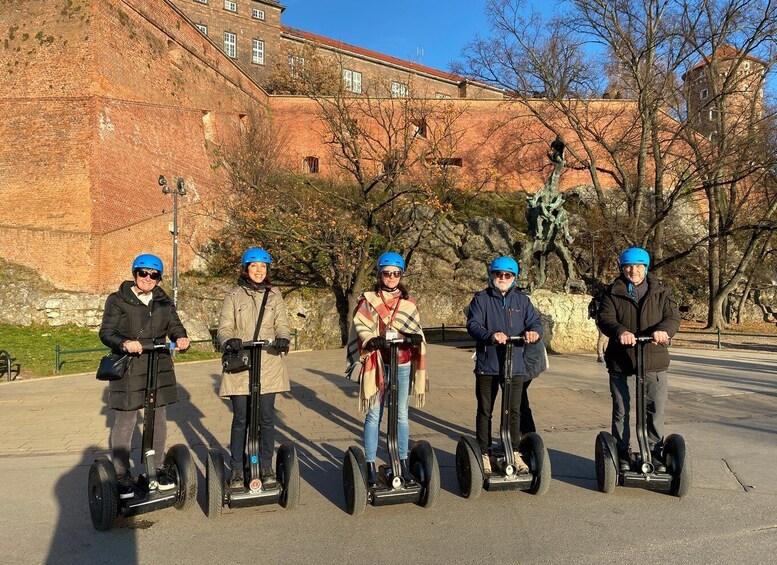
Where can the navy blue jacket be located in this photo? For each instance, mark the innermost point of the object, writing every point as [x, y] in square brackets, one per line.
[490, 312]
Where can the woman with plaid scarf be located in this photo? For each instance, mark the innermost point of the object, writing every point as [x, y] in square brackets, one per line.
[388, 306]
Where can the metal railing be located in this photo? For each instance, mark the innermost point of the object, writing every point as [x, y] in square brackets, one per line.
[59, 352]
[719, 334]
[8, 366]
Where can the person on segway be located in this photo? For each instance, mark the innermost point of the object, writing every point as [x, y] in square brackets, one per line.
[495, 314]
[388, 306]
[140, 312]
[241, 311]
[635, 304]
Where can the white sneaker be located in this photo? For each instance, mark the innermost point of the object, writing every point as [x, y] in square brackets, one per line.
[520, 464]
[486, 463]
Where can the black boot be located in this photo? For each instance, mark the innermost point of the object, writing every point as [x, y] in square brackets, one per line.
[406, 475]
[624, 458]
[658, 461]
[372, 474]
[268, 478]
[236, 481]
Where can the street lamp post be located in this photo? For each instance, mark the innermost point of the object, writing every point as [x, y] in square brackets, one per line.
[179, 190]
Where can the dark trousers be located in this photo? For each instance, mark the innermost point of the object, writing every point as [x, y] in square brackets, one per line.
[622, 390]
[239, 434]
[521, 420]
[121, 437]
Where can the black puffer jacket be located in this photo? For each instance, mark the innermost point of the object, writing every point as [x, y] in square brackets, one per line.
[126, 318]
[618, 313]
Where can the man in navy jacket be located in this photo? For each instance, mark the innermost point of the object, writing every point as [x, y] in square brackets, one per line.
[496, 313]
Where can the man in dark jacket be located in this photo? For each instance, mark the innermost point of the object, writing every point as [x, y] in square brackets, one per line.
[638, 304]
[140, 313]
[496, 313]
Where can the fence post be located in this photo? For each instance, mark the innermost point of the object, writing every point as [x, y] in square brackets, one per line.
[443, 331]
[296, 333]
[718, 337]
[56, 359]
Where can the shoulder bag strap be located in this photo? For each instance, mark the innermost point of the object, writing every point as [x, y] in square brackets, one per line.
[261, 313]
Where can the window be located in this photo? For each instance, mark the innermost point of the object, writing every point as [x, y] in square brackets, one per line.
[352, 81]
[704, 93]
[449, 162]
[230, 6]
[420, 127]
[201, 1]
[230, 44]
[257, 14]
[713, 115]
[297, 65]
[310, 165]
[202, 28]
[442, 95]
[257, 52]
[746, 64]
[399, 90]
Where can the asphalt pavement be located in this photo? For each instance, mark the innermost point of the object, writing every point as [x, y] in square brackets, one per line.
[722, 402]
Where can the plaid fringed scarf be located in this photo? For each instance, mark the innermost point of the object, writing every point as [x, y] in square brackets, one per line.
[370, 311]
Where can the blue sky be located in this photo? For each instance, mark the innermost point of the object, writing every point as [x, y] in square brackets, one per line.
[395, 27]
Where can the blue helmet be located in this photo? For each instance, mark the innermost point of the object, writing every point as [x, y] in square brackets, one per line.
[148, 261]
[391, 259]
[634, 256]
[503, 263]
[256, 255]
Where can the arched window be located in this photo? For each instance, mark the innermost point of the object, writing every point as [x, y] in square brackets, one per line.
[310, 165]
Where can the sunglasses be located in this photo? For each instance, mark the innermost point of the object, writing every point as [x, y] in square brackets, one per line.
[502, 275]
[391, 274]
[153, 275]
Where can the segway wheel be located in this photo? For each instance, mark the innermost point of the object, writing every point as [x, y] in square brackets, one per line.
[354, 481]
[214, 477]
[423, 465]
[533, 450]
[179, 464]
[468, 472]
[287, 469]
[678, 464]
[606, 463]
[103, 494]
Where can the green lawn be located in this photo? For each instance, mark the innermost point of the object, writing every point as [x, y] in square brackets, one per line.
[34, 349]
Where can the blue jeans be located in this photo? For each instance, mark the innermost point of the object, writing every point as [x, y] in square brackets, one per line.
[375, 415]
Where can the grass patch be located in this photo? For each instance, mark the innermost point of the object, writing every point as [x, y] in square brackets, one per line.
[34, 349]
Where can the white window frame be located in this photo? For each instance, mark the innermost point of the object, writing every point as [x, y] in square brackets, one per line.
[704, 94]
[297, 65]
[442, 96]
[352, 80]
[201, 1]
[399, 90]
[257, 14]
[257, 52]
[746, 65]
[230, 6]
[203, 28]
[230, 44]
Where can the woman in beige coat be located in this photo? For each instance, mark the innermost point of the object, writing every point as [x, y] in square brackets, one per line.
[237, 323]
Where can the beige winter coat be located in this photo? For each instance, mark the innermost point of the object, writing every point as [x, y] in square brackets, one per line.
[239, 313]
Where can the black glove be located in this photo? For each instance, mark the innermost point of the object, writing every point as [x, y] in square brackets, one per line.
[234, 343]
[415, 339]
[376, 343]
[282, 344]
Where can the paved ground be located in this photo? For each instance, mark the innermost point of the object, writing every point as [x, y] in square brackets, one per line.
[723, 403]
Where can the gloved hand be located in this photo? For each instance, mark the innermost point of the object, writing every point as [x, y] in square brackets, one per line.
[282, 344]
[376, 343]
[234, 343]
[415, 339]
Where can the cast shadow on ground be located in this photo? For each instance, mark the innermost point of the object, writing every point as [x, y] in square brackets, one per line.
[75, 540]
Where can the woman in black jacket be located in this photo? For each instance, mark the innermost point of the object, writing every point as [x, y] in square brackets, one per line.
[140, 312]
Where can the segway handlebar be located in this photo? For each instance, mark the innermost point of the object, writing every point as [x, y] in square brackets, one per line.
[516, 339]
[158, 347]
[260, 343]
[644, 338]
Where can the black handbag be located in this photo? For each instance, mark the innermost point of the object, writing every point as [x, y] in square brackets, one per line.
[112, 367]
[237, 361]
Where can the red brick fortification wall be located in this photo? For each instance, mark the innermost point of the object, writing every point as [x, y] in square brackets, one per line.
[99, 98]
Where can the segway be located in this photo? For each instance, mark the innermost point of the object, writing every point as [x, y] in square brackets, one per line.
[104, 502]
[391, 488]
[470, 472]
[642, 473]
[253, 492]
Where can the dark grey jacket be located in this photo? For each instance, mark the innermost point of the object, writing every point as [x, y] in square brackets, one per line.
[126, 317]
[618, 313]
